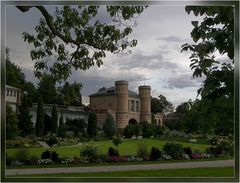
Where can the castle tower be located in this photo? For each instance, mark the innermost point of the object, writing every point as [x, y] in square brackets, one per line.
[145, 96]
[122, 106]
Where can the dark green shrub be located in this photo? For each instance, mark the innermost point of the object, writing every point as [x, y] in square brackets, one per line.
[147, 129]
[117, 141]
[52, 140]
[109, 126]
[155, 153]
[10, 160]
[226, 146]
[142, 150]
[173, 149]
[188, 151]
[62, 131]
[54, 157]
[46, 155]
[128, 131]
[92, 125]
[113, 152]
[89, 151]
[22, 155]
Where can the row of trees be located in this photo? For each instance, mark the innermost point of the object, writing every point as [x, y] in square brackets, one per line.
[67, 94]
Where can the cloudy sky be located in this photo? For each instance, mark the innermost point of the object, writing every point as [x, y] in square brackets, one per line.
[156, 60]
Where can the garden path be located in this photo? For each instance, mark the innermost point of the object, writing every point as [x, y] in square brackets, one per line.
[43, 144]
[218, 163]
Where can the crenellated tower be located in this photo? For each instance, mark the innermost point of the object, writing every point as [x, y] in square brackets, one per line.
[145, 96]
[121, 88]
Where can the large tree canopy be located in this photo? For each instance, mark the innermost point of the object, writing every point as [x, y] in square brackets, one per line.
[212, 56]
[75, 37]
[213, 35]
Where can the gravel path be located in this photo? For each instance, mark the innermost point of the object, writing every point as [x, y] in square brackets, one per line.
[219, 163]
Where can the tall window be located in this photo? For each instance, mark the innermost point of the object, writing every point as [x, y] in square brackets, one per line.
[132, 105]
[137, 106]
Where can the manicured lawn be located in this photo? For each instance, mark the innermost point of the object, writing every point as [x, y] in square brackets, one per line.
[194, 172]
[126, 147]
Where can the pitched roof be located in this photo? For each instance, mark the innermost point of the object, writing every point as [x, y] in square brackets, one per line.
[111, 91]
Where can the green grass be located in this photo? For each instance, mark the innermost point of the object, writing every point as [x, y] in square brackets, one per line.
[126, 147]
[193, 172]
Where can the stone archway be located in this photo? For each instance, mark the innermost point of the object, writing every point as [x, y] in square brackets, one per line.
[132, 121]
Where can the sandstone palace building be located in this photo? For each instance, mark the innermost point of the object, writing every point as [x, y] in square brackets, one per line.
[125, 106]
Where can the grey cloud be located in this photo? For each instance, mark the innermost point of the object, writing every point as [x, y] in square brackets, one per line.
[155, 61]
[182, 81]
[92, 82]
[170, 39]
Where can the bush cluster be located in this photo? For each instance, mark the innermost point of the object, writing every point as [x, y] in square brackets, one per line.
[174, 149]
[113, 152]
[52, 155]
[90, 152]
[155, 153]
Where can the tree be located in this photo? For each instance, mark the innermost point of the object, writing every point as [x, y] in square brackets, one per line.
[128, 131]
[76, 125]
[61, 127]
[71, 94]
[47, 89]
[14, 75]
[31, 90]
[161, 104]
[11, 123]
[92, 125]
[25, 124]
[109, 126]
[80, 29]
[54, 120]
[39, 126]
[47, 122]
[214, 35]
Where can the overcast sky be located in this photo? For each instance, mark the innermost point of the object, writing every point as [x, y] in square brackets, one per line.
[155, 61]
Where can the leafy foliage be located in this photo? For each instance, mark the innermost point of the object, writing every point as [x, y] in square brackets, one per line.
[47, 89]
[109, 126]
[89, 151]
[62, 127]
[54, 120]
[214, 34]
[22, 155]
[47, 122]
[148, 129]
[39, 125]
[173, 149]
[117, 141]
[71, 94]
[25, 124]
[113, 152]
[155, 153]
[76, 125]
[92, 125]
[11, 123]
[142, 150]
[78, 27]
[14, 76]
[161, 104]
[128, 131]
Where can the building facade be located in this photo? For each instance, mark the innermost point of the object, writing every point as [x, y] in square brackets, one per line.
[13, 97]
[125, 106]
[71, 112]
